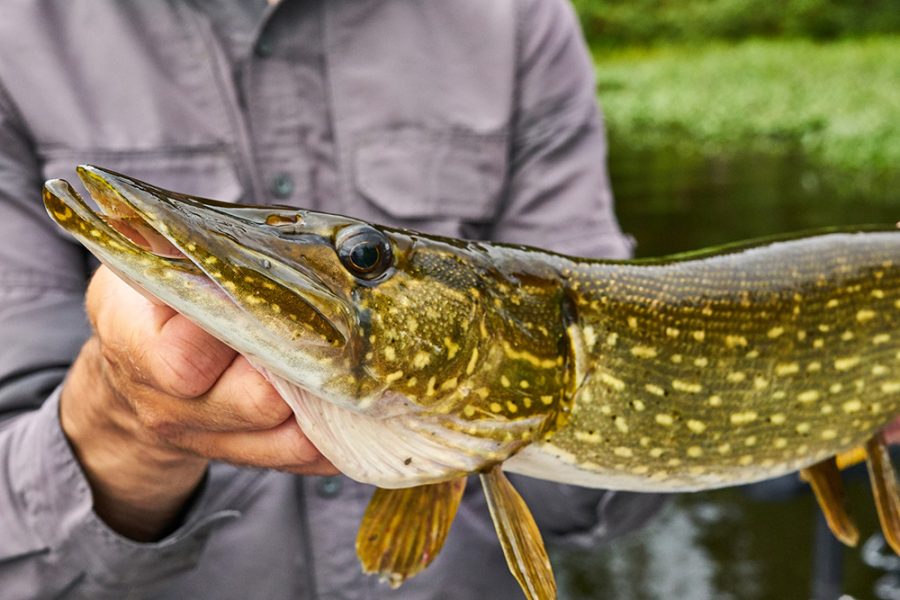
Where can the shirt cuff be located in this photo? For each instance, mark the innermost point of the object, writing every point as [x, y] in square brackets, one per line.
[59, 506]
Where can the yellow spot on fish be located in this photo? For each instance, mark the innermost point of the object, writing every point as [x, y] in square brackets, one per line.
[814, 366]
[664, 419]
[695, 451]
[760, 383]
[429, 389]
[824, 327]
[450, 384]
[621, 424]
[733, 341]
[547, 400]
[701, 362]
[673, 462]
[638, 405]
[390, 353]
[697, 470]
[715, 401]
[411, 382]
[656, 452]
[890, 387]
[590, 336]
[524, 384]
[421, 360]
[623, 452]
[881, 338]
[827, 409]
[473, 360]
[752, 354]
[808, 396]
[843, 364]
[676, 358]
[699, 335]
[743, 417]
[782, 369]
[780, 443]
[504, 381]
[829, 434]
[452, 347]
[745, 460]
[592, 437]
[643, 352]
[210, 260]
[777, 419]
[864, 315]
[672, 332]
[495, 407]
[878, 370]
[392, 377]
[511, 406]
[654, 389]
[750, 440]
[724, 448]
[775, 332]
[687, 386]
[613, 382]
[696, 426]
[483, 392]
[632, 322]
[736, 376]
[847, 336]
[803, 428]
[469, 410]
[612, 339]
[832, 303]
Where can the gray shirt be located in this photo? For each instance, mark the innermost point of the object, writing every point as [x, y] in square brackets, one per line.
[466, 118]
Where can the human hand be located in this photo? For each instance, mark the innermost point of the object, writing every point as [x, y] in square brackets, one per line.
[152, 397]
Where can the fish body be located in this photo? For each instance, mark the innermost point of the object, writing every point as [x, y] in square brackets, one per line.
[411, 361]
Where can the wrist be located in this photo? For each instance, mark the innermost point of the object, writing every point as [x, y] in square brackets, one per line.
[140, 484]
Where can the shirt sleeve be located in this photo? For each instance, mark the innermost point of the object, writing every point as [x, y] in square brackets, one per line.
[559, 198]
[558, 195]
[51, 541]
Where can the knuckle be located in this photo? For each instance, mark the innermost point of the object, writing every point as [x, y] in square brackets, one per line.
[158, 423]
[175, 373]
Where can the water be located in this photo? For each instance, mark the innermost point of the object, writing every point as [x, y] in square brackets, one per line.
[751, 543]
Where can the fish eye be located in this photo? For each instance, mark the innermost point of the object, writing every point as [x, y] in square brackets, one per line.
[364, 251]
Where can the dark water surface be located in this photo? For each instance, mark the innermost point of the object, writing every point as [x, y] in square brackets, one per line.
[747, 543]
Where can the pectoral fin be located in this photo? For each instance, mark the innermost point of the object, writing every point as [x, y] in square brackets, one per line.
[884, 488]
[519, 536]
[403, 530]
[825, 480]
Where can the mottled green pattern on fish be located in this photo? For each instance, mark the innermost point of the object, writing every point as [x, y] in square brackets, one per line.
[718, 369]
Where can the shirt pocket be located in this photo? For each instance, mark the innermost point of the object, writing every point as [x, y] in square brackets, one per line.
[418, 174]
[206, 171]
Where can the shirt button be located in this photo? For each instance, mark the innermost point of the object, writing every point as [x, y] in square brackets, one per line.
[329, 487]
[282, 186]
[263, 48]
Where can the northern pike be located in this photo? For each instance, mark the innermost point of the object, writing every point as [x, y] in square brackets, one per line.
[412, 361]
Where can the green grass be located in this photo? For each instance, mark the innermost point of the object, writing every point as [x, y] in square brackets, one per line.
[837, 103]
[617, 23]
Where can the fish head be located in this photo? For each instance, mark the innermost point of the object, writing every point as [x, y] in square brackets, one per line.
[351, 321]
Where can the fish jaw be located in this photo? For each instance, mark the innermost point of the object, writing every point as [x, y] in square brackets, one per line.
[258, 325]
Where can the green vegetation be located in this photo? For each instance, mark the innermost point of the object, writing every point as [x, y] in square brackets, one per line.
[642, 22]
[836, 103]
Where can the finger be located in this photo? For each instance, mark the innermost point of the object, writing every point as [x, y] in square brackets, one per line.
[283, 447]
[241, 400]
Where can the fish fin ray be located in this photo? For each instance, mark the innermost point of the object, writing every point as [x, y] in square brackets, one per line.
[884, 489]
[403, 530]
[519, 536]
[825, 480]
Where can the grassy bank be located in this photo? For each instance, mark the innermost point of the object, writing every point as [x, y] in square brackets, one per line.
[838, 103]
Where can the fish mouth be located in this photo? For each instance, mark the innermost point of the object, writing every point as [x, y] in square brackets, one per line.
[145, 232]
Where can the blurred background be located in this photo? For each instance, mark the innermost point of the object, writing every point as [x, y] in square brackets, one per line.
[732, 119]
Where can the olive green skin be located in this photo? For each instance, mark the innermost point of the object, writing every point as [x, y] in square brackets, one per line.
[730, 366]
